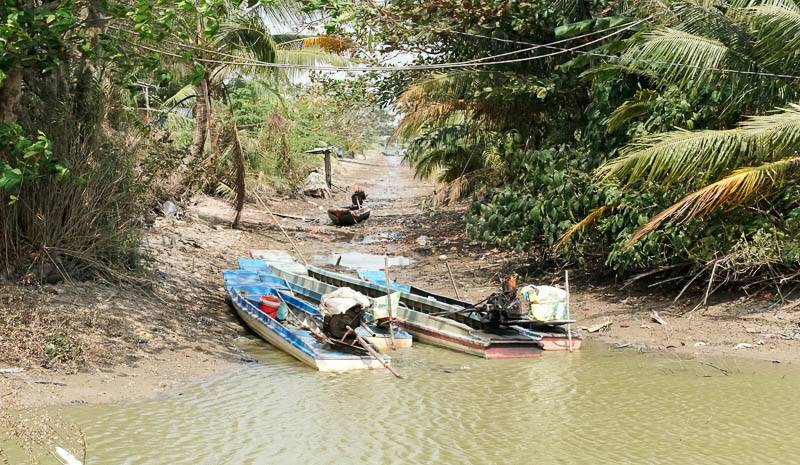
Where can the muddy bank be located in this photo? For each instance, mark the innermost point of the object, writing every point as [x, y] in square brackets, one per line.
[93, 342]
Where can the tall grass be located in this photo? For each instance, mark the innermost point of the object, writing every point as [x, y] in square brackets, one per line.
[87, 223]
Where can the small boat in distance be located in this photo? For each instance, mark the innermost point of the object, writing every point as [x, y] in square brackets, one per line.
[348, 216]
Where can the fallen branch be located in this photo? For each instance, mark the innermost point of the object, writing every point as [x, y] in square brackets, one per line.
[657, 318]
[293, 217]
[11, 370]
[599, 327]
[44, 381]
[724, 371]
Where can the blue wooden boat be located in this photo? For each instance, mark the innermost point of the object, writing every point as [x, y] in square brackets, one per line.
[261, 271]
[379, 277]
[243, 291]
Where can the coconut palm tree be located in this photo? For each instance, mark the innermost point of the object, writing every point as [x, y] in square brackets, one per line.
[239, 43]
[458, 122]
[751, 50]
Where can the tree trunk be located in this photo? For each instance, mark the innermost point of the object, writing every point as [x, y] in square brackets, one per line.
[240, 172]
[10, 93]
[200, 122]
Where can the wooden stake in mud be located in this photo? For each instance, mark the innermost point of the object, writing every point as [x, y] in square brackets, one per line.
[389, 300]
[281, 228]
[366, 345]
[452, 281]
[569, 326]
[328, 169]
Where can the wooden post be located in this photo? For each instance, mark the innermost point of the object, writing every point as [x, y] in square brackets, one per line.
[452, 281]
[569, 326]
[389, 300]
[328, 174]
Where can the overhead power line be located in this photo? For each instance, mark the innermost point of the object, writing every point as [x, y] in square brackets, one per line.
[485, 61]
[244, 61]
[638, 60]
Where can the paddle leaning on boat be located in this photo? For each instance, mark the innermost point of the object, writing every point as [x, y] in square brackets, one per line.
[268, 306]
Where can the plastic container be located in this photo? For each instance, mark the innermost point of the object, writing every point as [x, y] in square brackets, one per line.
[283, 312]
[269, 305]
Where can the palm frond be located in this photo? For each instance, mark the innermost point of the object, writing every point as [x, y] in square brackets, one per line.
[637, 106]
[736, 189]
[459, 188]
[689, 60]
[777, 131]
[284, 12]
[185, 93]
[310, 57]
[439, 87]
[580, 226]
[454, 149]
[676, 156]
[242, 31]
[709, 19]
[681, 155]
[239, 172]
[436, 114]
[776, 27]
[330, 44]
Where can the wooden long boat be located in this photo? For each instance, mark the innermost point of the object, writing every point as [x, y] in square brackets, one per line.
[347, 216]
[548, 337]
[294, 340]
[431, 329]
[258, 272]
[376, 335]
[553, 336]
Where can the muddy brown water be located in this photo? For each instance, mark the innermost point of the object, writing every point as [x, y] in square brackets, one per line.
[598, 406]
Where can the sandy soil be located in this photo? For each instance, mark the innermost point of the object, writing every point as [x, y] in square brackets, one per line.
[92, 343]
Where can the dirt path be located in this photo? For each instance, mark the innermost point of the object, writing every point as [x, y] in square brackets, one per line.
[126, 343]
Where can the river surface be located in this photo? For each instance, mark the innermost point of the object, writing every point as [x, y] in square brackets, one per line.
[598, 406]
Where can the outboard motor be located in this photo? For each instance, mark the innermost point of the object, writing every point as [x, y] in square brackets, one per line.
[358, 197]
[502, 307]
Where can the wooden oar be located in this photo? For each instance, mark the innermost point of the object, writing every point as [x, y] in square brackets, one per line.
[452, 281]
[280, 227]
[366, 345]
[389, 300]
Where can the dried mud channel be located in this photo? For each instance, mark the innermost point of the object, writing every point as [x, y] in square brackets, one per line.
[162, 366]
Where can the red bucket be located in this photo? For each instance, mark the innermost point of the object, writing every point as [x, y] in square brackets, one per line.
[269, 305]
